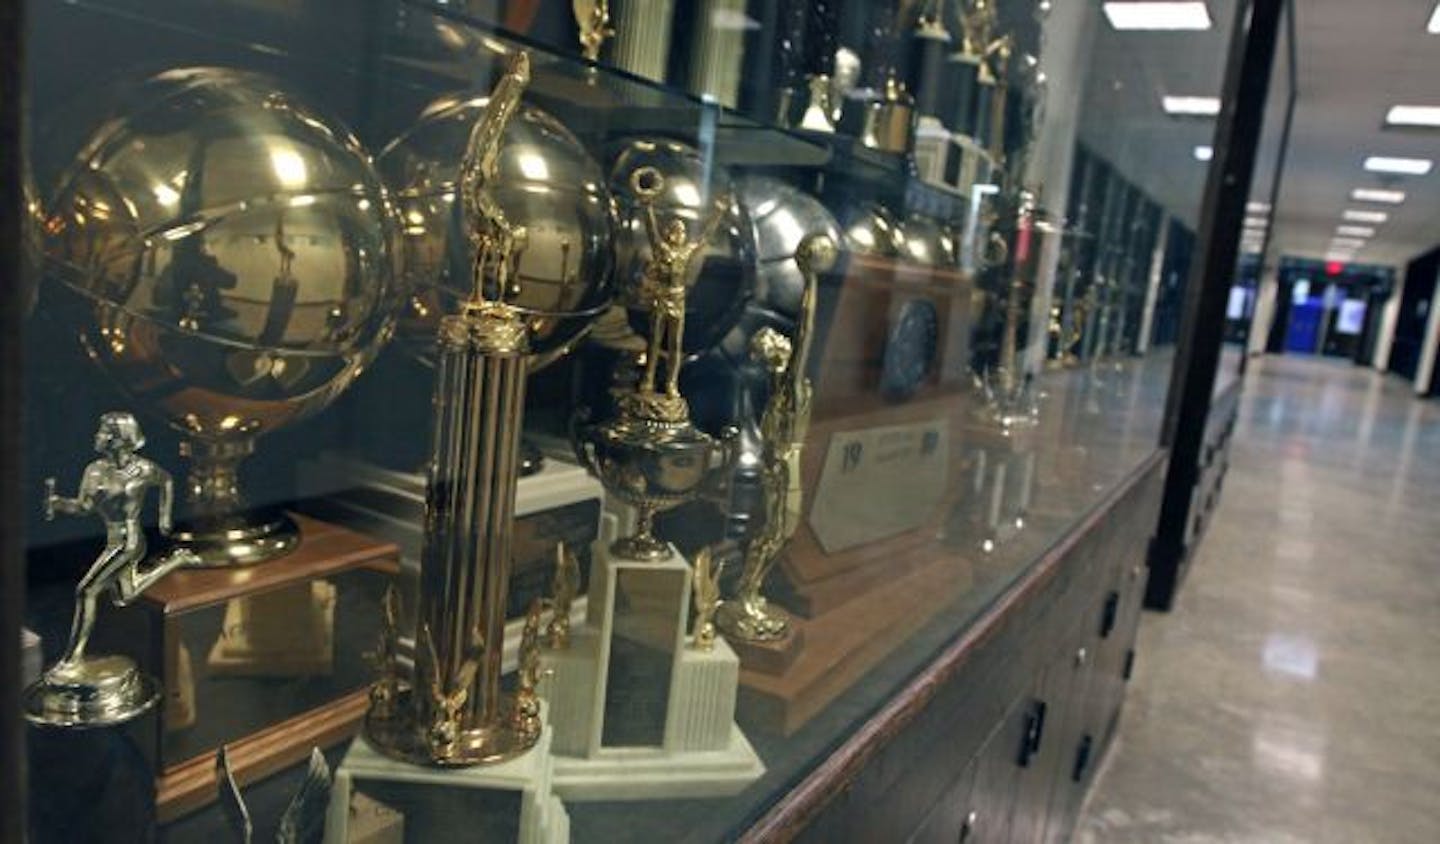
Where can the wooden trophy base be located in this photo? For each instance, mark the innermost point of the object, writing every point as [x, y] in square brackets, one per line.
[845, 643]
[266, 660]
[771, 657]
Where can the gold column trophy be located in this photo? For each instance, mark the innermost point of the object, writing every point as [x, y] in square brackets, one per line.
[454, 713]
[749, 617]
[82, 690]
[449, 715]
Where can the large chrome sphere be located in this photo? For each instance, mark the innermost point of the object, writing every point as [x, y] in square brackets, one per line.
[722, 277]
[870, 229]
[546, 181]
[782, 216]
[928, 242]
[231, 248]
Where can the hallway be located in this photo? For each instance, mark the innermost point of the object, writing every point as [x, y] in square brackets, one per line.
[1292, 696]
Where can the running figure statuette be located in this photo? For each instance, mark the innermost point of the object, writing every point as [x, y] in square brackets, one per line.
[85, 690]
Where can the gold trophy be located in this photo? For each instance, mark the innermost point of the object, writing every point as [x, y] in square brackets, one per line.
[749, 617]
[453, 713]
[650, 455]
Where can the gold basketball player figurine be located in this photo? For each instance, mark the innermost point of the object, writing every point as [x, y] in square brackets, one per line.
[567, 580]
[592, 17]
[706, 584]
[81, 690]
[663, 289]
[749, 617]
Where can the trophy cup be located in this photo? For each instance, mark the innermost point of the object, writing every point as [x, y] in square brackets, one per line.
[451, 728]
[639, 709]
[749, 616]
[230, 248]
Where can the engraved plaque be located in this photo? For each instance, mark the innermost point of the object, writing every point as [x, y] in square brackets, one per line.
[643, 643]
[879, 482]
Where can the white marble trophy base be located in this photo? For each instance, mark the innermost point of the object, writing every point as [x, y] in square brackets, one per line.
[542, 816]
[703, 752]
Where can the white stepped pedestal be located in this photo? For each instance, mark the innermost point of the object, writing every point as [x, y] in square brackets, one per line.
[512, 801]
[638, 711]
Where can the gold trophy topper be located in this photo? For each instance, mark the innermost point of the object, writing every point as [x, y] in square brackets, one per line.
[706, 586]
[664, 287]
[567, 580]
[593, 19]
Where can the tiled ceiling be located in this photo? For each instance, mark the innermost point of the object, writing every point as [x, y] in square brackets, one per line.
[1354, 60]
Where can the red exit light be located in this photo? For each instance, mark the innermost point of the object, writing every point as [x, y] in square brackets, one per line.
[1333, 267]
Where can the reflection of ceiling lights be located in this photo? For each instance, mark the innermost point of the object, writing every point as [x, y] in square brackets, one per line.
[1433, 27]
[1158, 15]
[1256, 222]
[1204, 152]
[1413, 115]
[1388, 197]
[1355, 215]
[1346, 242]
[1191, 106]
[1403, 166]
[1356, 231]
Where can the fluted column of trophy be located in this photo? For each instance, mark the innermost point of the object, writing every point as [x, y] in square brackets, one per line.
[452, 712]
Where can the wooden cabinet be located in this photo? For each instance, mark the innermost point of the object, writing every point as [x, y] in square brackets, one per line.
[998, 740]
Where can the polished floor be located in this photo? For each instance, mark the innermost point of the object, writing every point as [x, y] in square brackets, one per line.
[1294, 693]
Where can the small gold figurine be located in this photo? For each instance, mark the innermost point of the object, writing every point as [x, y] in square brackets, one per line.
[567, 580]
[593, 19]
[665, 283]
[706, 584]
[447, 702]
[385, 692]
[527, 698]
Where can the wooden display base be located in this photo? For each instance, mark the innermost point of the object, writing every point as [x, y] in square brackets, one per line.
[774, 657]
[844, 644]
[265, 659]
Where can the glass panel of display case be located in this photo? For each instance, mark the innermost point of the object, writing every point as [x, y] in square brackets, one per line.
[581, 415]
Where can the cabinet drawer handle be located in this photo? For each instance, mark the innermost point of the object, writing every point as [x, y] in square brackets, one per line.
[1034, 733]
[1082, 758]
[1110, 614]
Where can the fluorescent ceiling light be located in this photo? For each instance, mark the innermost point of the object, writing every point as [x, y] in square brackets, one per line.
[1204, 152]
[1433, 27]
[1155, 15]
[1356, 216]
[1356, 231]
[1256, 222]
[1346, 242]
[1342, 257]
[1389, 197]
[1403, 166]
[1257, 207]
[1413, 115]
[1201, 106]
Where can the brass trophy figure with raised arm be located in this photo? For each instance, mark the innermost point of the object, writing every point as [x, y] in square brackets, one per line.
[81, 690]
[651, 456]
[748, 616]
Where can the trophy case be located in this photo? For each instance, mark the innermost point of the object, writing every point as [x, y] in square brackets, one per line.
[603, 420]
